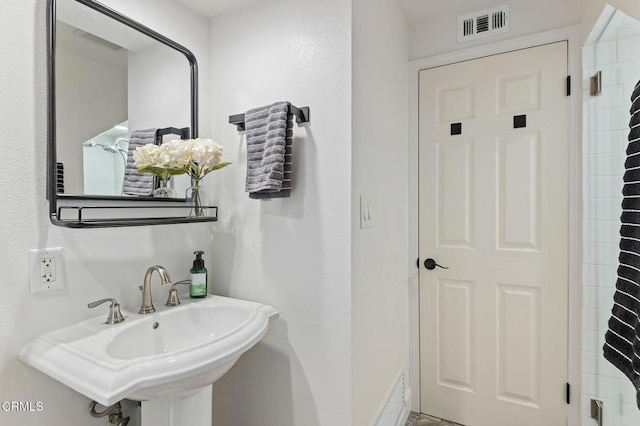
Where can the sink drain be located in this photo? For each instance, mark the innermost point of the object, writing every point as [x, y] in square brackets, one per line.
[155, 325]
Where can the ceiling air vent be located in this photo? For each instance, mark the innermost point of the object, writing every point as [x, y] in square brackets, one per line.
[483, 24]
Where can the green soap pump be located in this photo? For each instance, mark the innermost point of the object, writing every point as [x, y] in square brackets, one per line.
[198, 286]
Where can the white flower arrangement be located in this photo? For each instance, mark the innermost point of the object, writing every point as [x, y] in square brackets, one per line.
[206, 156]
[197, 157]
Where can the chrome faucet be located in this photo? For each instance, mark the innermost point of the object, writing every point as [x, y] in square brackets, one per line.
[115, 316]
[147, 303]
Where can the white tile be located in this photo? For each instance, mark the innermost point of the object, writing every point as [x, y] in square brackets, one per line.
[590, 362]
[630, 414]
[589, 124]
[589, 232]
[606, 53]
[626, 23]
[591, 341]
[600, 254]
[595, 363]
[597, 297]
[602, 209]
[589, 297]
[596, 320]
[606, 276]
[627, 49]
[610, 97]
[629, 73]
[609, 119]
[605, 164]
[613, 75]
[609, 389]
[629, 87]
[589, 275]
[603, 316]
[603, 187]
[608, 142]
[604, 297]
[587, 421]
[589, 56]
[589, 384]
[601, 231]
[624, 72]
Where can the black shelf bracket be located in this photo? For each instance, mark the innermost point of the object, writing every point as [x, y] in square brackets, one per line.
[184, 133]
[302, 116]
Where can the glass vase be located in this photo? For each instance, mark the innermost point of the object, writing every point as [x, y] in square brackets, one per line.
[164, 191]
[197, 199]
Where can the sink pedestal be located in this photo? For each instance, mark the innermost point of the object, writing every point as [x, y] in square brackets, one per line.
[192, 410]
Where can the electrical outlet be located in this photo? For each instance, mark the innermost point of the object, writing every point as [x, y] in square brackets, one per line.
[46, 270]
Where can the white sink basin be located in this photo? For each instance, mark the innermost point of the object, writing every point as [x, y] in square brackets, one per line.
[171, 353]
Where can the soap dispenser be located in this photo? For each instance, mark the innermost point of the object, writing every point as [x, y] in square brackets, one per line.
[198, 286]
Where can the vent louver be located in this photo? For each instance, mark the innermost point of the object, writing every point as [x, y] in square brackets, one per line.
[484, 23]
[468, 27]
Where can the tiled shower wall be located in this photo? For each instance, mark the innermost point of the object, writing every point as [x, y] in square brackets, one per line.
[606, 119]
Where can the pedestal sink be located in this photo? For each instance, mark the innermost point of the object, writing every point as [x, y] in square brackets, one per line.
[169, 358]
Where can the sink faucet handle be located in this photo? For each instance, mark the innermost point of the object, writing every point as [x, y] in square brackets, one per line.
[115, 316]
[173, 299]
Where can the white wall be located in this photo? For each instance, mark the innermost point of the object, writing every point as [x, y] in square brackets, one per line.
[606, 119]
[91, 98]
[294, 253]
[379, 302]
[159, 95]
[526, 17]
[100, 263]
[156, 75]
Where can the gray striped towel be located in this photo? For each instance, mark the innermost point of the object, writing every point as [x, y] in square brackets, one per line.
[269, 151]
[136, 183]
[622, 339]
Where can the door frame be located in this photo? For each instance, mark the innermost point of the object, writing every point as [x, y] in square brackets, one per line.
[574, 362]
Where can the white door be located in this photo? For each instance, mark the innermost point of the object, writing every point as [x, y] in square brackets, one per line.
[493, 209]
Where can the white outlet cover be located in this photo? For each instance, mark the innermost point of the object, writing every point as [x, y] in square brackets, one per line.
[35, 280]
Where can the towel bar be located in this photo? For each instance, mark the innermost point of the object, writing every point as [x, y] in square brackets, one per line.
[302, 116]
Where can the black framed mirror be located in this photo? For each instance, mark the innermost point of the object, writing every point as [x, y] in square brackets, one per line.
[113, 84]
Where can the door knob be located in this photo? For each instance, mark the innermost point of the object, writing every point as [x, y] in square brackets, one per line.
[431, 264]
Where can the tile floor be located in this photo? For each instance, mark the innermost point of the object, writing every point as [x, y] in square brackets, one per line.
[417, 419]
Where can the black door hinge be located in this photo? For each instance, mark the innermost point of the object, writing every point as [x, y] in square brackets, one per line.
[568, 393]
[568, 85]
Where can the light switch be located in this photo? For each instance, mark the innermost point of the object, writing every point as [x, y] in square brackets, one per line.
[366, 212]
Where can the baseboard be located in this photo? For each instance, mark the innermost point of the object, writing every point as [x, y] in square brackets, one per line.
[406, 410]
[396, 406]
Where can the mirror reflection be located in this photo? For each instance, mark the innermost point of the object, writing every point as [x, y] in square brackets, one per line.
[104, 161]
[112, 81]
